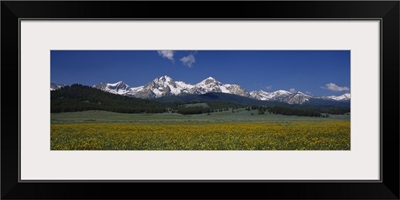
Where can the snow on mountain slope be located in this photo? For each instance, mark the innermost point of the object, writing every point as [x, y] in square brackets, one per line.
[282, 96]
[54, 86]
[278, 95]
[184, 87]
[343, 97]
[235, 89]
[163, 86]
[119, 87]
[297, 98]
[134, 90]
[211, 85]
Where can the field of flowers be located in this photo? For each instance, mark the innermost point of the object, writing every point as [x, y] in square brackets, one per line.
[285, 135]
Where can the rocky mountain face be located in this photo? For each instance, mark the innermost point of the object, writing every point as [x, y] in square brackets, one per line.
[298, 98]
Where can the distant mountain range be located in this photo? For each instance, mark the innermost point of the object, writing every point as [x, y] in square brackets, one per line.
[165, 86]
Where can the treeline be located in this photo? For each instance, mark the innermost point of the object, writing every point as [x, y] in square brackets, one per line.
[300, 111]
[82, 98]
[296, 111]
[335, 111]
[221, 105]
[293, 111]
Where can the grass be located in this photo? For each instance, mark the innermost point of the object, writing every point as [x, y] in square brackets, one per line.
[240, 135]
[226, 130]
[240, 115]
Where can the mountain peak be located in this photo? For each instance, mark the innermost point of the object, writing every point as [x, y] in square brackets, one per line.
[210, 78]
[164, 78]
[282, 92]
[343, 97]
[298, 92]
[119, 83]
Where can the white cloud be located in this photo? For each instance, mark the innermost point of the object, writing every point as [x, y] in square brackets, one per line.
[168, 54]
[292, 90]
[307, 92]
[335, 88]
[188, 60]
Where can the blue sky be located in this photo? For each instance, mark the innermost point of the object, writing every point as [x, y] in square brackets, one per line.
[314, 72]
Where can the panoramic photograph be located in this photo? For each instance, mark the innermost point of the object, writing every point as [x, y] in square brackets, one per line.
[200, 100]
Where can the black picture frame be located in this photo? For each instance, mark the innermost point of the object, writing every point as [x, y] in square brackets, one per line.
[386, 11]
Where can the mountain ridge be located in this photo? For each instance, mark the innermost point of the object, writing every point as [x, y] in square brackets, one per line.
[166, 86]
[55, 86]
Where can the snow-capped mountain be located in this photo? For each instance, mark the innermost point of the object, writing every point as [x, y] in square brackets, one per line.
[54, 86]
[162, 86]
[211, 85]
[297, 98]
[281, 96]
[278, 95]
[115, 88]
[166, 86]
[344, 97]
